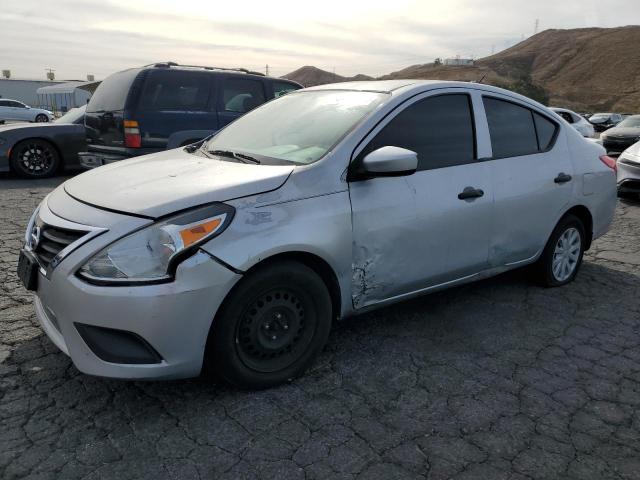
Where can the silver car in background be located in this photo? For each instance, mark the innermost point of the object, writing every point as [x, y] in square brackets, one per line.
[18, 111]
[576, 121]
[237, 254]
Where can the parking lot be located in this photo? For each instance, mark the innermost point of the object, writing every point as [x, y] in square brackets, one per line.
[499, 379]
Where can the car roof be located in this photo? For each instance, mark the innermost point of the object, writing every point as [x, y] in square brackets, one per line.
[410, 86]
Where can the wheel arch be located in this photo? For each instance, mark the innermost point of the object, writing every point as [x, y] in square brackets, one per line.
[315, 263]
[584, 214]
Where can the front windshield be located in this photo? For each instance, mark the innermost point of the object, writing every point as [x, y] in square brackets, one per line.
[633, 122]
[72, 115]
[599, 117]
[299, 127]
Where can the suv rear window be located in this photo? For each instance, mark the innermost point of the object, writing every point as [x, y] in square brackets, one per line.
[176, 90]
[112, 93]
[241, 94]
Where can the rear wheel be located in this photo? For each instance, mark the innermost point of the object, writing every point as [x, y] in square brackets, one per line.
[41, 118]
[34, 158]
[562, 256]
[271, 327]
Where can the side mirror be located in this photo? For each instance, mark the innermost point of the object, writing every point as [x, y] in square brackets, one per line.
[388, 162]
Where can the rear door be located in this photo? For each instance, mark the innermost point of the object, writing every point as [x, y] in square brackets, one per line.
[532, 180]
[237, 96]
[414, 232]
[174, 100]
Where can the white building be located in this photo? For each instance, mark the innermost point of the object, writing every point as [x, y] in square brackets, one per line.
[458, 61]
[62, 97]
[24, 91]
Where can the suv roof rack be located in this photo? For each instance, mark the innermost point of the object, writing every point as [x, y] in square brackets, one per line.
[174, 64]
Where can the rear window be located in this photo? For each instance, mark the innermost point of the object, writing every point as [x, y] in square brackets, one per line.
[112, 93]
[176, 90]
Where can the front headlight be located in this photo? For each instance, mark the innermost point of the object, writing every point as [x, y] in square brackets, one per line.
[152, 253]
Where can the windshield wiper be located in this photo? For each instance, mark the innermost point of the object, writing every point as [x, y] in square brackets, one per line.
[244, 158]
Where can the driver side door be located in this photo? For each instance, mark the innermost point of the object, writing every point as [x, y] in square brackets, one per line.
[414, 233]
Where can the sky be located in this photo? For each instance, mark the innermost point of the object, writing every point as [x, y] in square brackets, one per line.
[80, 37]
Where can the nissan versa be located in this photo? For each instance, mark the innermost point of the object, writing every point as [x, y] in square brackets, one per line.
[236, 254]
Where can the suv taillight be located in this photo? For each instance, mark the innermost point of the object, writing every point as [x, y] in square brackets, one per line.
[609, 162]
[132, 138]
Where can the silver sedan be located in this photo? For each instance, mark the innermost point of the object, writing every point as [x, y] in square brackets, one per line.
[237, 254]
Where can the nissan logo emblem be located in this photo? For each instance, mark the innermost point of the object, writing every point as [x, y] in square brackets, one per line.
[35, 237]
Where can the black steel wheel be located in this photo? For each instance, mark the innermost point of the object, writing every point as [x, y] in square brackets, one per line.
[34, 158]
[42, 118]
[271, 326]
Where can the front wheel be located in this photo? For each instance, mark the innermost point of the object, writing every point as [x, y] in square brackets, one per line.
[34, 158]
[562, 256]
[41, 118]
[271, 327]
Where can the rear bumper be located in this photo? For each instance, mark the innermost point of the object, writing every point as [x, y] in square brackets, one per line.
[95, 157]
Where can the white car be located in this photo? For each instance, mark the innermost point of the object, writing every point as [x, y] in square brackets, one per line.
[629, 171]
[15, 110]
[576, 121]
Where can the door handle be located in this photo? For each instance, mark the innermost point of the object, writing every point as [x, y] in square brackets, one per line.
[562, 178]
[470, 192]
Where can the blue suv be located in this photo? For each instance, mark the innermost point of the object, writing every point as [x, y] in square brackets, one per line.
[166, 105]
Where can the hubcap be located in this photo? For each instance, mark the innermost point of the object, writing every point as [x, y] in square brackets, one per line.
[274, 331]
[36, 159]
[566, 254]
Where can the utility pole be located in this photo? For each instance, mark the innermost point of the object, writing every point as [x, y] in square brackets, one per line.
[493, 49]
[266, 69]
[50, 74]
[536, 25]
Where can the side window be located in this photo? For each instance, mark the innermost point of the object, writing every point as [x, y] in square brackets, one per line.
[439, 129]
[15, 104]
[282, 88]
[546, 131]
[241, 95]
[511, 128]
[4, 103]
[175, 91]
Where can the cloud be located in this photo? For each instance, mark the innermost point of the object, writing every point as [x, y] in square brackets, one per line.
[77, 37]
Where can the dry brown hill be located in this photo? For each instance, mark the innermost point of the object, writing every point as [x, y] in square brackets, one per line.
[312, 76]
[585, 69]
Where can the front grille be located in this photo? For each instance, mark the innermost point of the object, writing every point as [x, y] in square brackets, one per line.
[53, 240]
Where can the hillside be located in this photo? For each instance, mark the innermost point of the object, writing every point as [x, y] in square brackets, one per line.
[312, 76]
[585, 69]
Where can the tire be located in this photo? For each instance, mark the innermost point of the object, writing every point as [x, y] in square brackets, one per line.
[271, 326]
[42, 118]
[562, 256]
[34, 158]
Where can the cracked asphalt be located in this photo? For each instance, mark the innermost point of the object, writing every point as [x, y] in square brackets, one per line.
[499, 379]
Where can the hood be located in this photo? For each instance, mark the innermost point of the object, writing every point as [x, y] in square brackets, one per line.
[623, 132]
[633, 150]
[163, 183]
[18, 126]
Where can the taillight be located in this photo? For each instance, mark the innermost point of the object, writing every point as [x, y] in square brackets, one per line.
[132, 136]
[609, 162]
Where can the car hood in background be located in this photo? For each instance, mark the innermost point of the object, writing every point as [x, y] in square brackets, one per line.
[166, 182]
[623, 132]
[32, 127]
